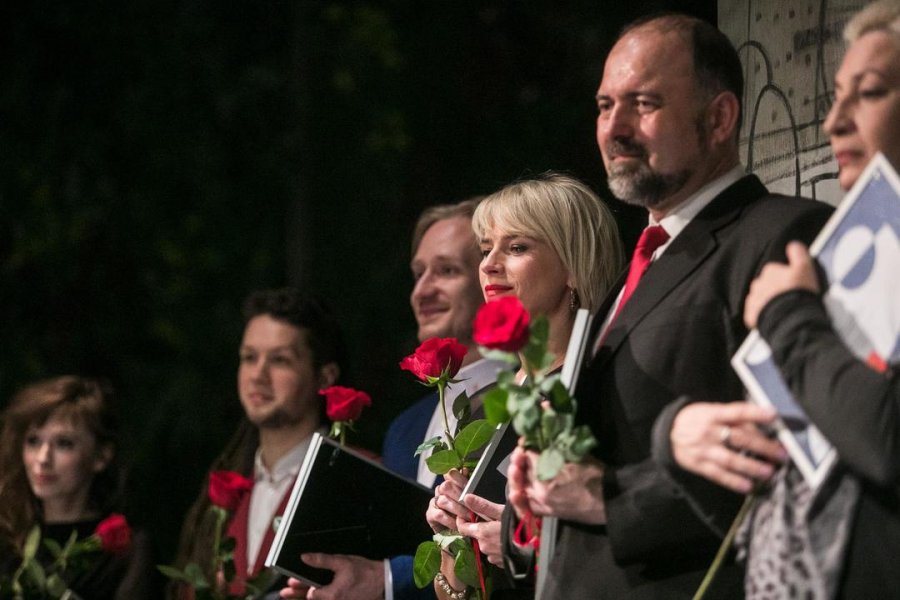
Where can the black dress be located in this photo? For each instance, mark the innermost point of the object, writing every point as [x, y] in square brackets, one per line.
[858, 410]
[109, 576]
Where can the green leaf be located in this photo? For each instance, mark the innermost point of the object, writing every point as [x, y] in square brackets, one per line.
[494, 402]
[505, 379]
[509, 358]
[195, 576]
[53, 546]
[539, 330]
[525, 421]
[31, 543]
[522, 399]
[228, 570]
[70, 543]
[474, 436]
[583, 443]
[462, 409]
[35, 572]
[559, 395]
[464, 566]
[228, 544]
[549, 463]
[56, 587]
[435, 442]
[535, 351]
[551, 424]
[173, 573]
[449, 540]
[426, 564]
[441, 462]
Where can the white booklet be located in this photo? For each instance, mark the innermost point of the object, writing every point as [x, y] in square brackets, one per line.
[859, 252]
[575, 356]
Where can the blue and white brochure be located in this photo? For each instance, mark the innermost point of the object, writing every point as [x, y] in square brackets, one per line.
[859, 252]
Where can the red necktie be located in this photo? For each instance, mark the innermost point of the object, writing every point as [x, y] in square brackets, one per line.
[651, 238]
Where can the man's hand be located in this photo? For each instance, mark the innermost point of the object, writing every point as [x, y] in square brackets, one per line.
[296, 590]
[355, 578]
[777, 278]
[723, 443]
[575, 494]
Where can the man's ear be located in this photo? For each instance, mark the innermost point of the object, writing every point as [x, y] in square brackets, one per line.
[722, 116]
[328, 374]
[103, 458]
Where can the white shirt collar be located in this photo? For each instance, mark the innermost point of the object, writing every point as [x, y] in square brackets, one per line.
[286, 466]
[675, 222]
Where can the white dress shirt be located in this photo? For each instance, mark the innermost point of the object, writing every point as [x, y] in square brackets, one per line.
[269, 489]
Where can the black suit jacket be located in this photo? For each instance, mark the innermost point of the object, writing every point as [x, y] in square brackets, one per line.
[673, 339]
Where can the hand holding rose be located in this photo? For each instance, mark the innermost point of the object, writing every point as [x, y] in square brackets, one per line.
[574, 494]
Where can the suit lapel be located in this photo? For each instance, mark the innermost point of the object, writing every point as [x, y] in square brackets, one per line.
[686, 254]
[237, 529]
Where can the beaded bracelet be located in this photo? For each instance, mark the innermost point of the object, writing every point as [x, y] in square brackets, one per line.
[451, 593]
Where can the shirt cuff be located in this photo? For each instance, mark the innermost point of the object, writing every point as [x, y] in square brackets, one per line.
[388, 581]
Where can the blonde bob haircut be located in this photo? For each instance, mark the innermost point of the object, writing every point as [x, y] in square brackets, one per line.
[564, 213]
[883, 15]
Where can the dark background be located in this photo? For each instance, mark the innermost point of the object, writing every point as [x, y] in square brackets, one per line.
[159, 159]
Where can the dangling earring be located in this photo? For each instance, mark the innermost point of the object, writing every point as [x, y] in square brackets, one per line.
[574, 301]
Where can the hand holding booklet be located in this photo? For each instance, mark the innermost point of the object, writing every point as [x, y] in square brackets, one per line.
[859, 253]
[345, 503]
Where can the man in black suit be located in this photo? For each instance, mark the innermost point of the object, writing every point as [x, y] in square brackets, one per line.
[669, 108]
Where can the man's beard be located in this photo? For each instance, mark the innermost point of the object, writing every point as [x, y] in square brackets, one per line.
[639, 184]
[280, 418]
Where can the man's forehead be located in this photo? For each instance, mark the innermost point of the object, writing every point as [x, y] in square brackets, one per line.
[645, 67]
[447, 239]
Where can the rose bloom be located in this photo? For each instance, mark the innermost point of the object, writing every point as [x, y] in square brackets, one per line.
[433, 356]
[502, 324]
[114, 534]
[227, 488]
[344, 403]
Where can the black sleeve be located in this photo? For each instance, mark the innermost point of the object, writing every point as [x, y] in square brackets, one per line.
[854, 406]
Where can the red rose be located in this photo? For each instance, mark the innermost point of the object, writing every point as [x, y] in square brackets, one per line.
[227, 488]
[433, 356]
[114, 533]
[501, 324]
[343, 403]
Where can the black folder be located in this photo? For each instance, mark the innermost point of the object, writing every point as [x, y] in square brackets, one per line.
[488, 480]
[346, 503]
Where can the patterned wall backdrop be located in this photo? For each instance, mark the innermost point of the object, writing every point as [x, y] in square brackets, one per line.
[790, 52]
